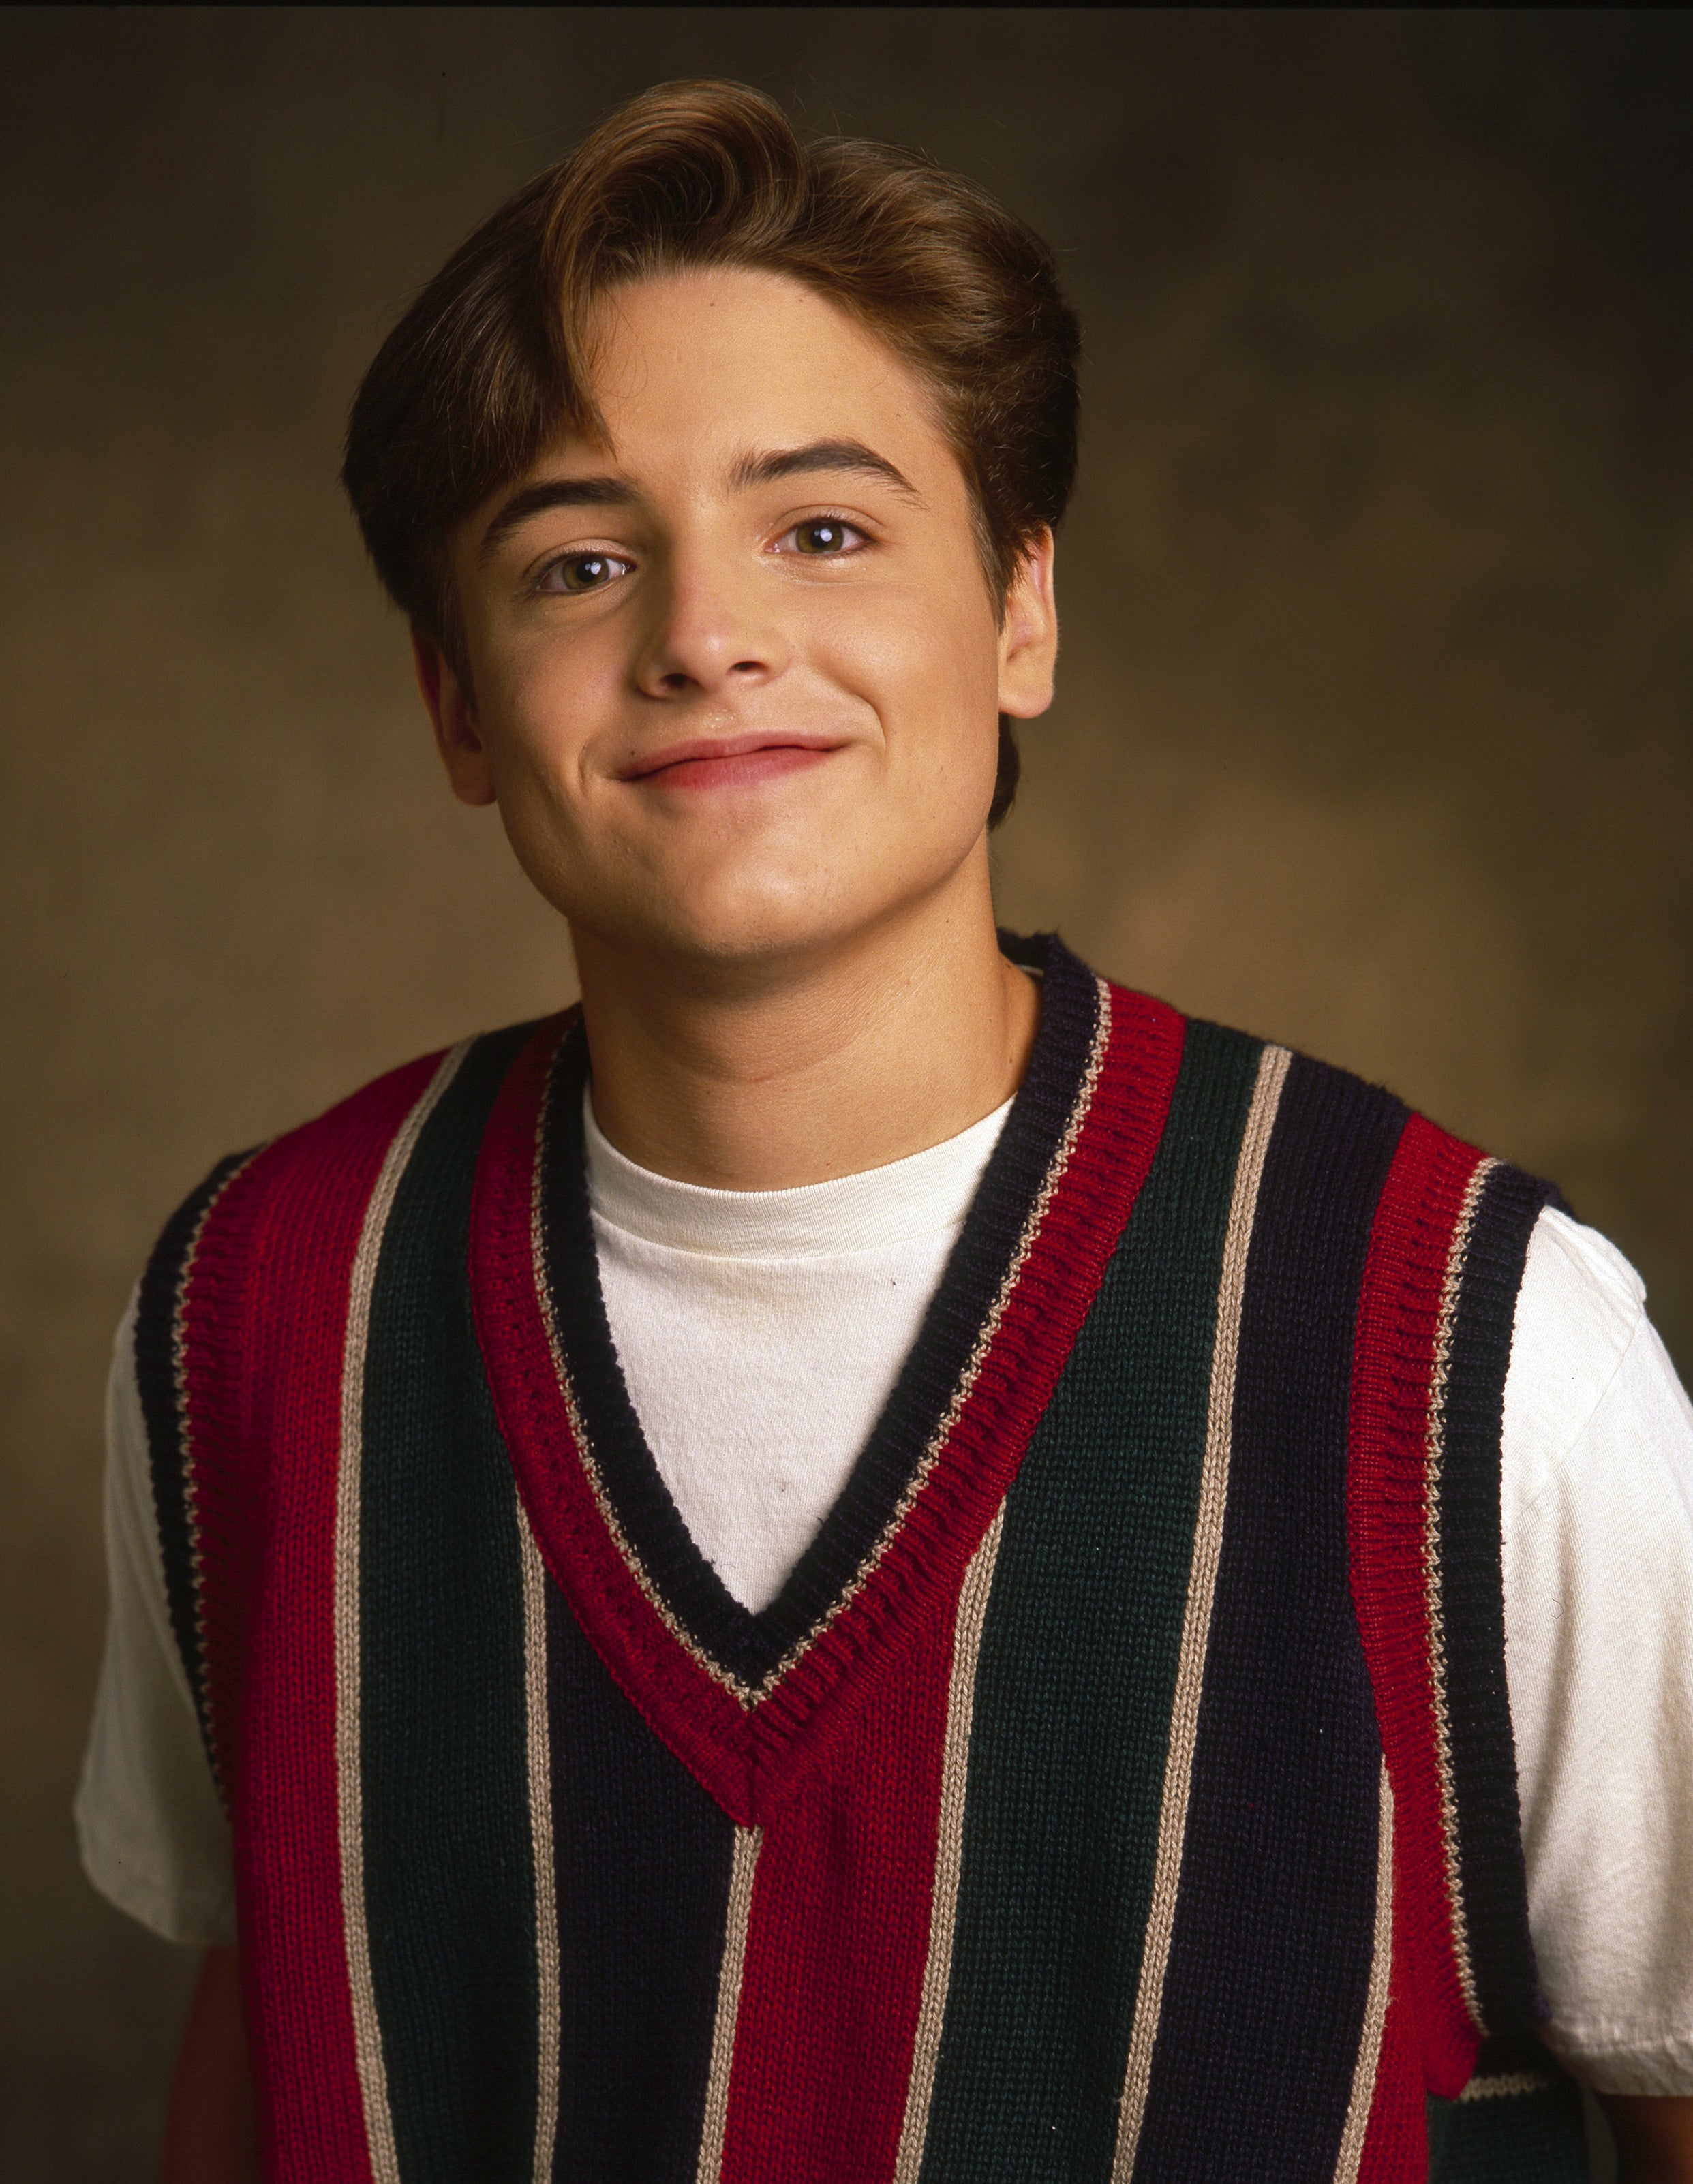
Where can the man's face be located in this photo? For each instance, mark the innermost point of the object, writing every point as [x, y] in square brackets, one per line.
[736, 674]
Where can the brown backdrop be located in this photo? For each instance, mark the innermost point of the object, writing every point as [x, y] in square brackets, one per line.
[1374, 724]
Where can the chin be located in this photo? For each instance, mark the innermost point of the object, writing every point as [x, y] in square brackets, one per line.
[749, 927]
[748, 906]
[741, 914]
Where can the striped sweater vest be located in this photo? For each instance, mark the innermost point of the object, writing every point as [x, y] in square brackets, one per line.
[1122, 1786]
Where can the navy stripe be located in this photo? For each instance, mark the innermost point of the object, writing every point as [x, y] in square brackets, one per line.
[1271, 1951]
[157, 1303]
[747, 1644]
[643, 1857]
[449, 1884]
[1491, 1874]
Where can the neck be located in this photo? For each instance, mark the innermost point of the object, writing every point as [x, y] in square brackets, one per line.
[829, 1062]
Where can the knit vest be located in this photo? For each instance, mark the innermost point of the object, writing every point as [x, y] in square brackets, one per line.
[1122, 1786]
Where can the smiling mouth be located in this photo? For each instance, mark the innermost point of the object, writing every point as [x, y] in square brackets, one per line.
[733, 761]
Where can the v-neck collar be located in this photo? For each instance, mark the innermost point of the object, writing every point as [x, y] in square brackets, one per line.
[734, 1690]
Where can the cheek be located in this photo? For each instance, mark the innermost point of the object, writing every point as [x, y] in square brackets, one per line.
[923, 657]
[937, 689]
[544, 706]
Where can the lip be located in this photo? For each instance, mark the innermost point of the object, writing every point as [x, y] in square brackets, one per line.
[728, 761]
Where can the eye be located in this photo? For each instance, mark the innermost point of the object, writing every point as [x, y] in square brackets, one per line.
[582, 573]
[822, 535]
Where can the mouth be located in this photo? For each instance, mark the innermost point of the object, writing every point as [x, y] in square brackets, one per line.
[728, 761]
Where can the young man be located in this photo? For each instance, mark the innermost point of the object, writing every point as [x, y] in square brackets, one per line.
[870, 1558]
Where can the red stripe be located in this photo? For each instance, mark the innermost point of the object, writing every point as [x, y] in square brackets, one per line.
[265, 1319]
[838, 1942]
[1392, 1371]
[750, 1760]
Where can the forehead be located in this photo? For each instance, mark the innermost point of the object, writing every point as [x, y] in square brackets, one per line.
[695, 368]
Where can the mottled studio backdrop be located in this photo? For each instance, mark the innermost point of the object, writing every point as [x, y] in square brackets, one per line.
[1374, 731]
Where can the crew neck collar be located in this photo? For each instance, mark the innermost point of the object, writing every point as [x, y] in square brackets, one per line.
[925, 1193]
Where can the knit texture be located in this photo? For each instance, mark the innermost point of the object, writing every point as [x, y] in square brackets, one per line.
[1121, 1786]
[1447, 1245]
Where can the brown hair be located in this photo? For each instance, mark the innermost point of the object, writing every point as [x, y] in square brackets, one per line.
[489, 364]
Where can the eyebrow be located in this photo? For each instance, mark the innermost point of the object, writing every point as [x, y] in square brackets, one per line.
[819, 455]
[609, 491]
[554, 493]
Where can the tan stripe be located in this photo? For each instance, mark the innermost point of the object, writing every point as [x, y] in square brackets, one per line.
[1375, 2001]
[747, 1843]
[367, 2036]
[548, 2027]
[1184, 1713]
[1506, 2084]
[1455, 1255]
[960, 1706]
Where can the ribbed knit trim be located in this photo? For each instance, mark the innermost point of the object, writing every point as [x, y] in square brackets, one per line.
[1435, 1325]
[1480, 1743]
[160, 1366]
[1050, 1207]
[752, 1646]
[1517, 2123]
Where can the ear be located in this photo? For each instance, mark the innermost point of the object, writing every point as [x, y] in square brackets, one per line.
[1028, 636]
[453, 715]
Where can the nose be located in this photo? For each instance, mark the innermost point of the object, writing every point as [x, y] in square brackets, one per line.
[711, 630]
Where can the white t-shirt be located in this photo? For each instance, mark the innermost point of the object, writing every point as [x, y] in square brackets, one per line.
[760, 1332]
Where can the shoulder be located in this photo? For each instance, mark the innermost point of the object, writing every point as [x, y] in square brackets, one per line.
[344, 1146]
[1345, 1132]
[1414, 1187]
[267, 1227]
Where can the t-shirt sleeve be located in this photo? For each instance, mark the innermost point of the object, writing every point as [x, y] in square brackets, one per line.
[1597, 1510]
[151, 1825]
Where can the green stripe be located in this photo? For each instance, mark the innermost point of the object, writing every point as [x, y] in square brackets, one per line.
[1522, 2138]
[449, 1886]
[1077, 1680]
